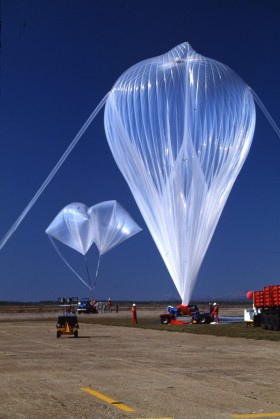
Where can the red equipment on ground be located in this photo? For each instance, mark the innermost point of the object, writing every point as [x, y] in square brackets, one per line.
[185, 309]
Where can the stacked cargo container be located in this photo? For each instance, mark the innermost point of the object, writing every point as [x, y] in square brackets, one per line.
[267, 307]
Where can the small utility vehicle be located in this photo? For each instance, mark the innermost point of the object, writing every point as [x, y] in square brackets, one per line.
[67, 322]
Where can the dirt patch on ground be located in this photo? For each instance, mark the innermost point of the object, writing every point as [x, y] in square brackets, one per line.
[157, 374]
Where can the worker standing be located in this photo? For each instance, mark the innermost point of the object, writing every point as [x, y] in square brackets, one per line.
[109, 304]
[215, 312]
[134, 314]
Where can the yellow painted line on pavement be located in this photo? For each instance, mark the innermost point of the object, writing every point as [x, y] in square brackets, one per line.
[155, 418]
[115, 403]
[257, 415]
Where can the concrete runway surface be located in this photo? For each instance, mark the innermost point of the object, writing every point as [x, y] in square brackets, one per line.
[155, 374]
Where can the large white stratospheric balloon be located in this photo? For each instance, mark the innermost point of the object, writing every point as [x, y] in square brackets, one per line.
[180, 127]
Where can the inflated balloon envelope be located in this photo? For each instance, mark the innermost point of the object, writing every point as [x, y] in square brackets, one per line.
[180, 127]
[73, 227]
[111, 225]
[106, 224]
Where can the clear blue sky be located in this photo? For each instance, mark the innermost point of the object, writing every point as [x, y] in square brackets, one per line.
[58, 59]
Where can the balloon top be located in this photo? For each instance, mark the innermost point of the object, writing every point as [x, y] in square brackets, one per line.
[182, 52]
[181, 66]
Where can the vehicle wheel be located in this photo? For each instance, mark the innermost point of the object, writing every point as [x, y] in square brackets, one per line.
[76, 333]
[270, 321]
[208, 320]
[264, 321]
[276, 322]
[58, 334]
[165, 319]
[202, 320]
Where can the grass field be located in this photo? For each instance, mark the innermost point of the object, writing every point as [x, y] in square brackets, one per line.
[233, 330]
[150, 321]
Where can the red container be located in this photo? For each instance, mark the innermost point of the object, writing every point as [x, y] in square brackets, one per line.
[259, 299]
[268, 297]
[275, 293]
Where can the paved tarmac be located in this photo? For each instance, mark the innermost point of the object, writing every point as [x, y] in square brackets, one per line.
[117, 372]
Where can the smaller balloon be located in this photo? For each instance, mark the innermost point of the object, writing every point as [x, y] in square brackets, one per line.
[111, 225]
[250, 295]
[73, 227]
[106, 224]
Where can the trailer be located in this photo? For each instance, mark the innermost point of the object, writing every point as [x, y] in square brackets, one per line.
[266, 308]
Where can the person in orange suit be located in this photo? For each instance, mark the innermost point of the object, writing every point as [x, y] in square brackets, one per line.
[215, 312]
[134, 314]
[109, 304]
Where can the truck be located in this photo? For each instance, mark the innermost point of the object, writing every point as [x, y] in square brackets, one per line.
[86, 305]
[266, 308]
